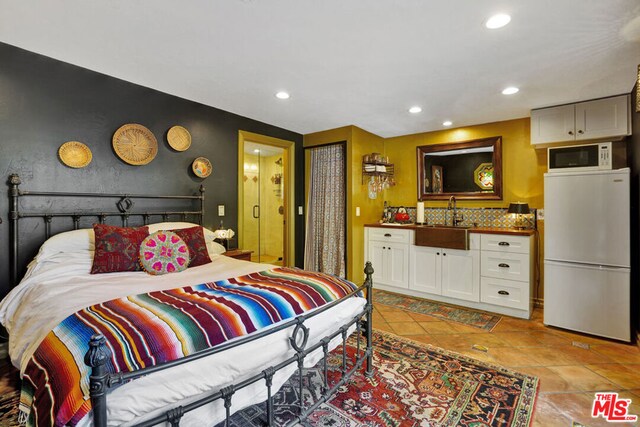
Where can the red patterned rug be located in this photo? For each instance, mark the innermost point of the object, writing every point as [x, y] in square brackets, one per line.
[414, 385]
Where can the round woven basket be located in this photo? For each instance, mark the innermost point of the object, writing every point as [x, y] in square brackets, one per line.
[135, 144]
[179, 138]
[75, 154]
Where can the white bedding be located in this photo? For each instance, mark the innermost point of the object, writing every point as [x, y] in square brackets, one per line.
[59, 284]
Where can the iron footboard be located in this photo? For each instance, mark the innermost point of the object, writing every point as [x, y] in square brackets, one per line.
[102, 381]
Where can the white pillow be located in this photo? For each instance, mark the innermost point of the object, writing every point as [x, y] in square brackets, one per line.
[69, 241]
[208, 234]
[215, 248]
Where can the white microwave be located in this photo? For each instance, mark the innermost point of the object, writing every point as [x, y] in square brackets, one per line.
[588, 157]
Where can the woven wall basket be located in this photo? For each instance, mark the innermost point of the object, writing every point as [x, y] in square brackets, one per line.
[135, 144]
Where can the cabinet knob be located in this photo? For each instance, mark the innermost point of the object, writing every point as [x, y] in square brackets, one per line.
[570, 132]
[387, 235]
[503, 244]
[503, 292]
[384, 247]
[503, 265]
[437, 253]
[580, 132]
[443, 254]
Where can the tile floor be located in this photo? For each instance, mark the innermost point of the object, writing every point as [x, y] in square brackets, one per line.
[569, 375]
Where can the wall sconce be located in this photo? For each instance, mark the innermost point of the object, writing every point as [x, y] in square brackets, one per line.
[519, 209]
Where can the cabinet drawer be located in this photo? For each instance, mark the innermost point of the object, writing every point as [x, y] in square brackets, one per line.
[505, 243]
[510, 266]
[389, 235]
[506, 293]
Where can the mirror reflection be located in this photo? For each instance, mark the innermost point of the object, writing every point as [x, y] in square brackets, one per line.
[470, 170]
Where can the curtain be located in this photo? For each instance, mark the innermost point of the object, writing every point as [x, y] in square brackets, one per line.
[325, 246]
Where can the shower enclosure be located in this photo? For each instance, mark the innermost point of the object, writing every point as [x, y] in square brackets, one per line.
[264, 204]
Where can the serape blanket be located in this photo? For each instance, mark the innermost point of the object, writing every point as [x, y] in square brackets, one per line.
[149, 329]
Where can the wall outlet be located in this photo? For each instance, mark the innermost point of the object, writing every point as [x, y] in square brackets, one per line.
[357, 210]
[540, 214]
[300, 210]
[220, 210]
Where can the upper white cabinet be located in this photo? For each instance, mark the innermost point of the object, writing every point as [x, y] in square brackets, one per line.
[607, 118]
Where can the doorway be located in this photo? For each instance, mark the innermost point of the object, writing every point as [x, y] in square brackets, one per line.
[264, 191]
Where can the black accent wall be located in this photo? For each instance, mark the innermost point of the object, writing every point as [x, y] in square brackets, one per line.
[45, 102]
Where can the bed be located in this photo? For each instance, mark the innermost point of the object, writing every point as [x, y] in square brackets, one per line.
[202, 388]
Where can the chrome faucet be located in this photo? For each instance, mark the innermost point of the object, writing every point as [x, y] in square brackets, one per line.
[455, 218]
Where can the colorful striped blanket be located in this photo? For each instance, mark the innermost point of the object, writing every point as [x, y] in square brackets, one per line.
[149, 329]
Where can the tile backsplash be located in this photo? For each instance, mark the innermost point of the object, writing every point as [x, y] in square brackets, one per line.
[480, 217]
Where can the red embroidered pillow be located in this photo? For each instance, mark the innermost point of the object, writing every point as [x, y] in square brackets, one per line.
[164, 252]
[194, 238]
[117, 248]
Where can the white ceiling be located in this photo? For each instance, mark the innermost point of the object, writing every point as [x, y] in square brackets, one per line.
[360, 62]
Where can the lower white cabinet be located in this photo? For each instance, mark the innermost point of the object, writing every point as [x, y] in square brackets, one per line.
[448, 272]
[495, 274]
[389, 254]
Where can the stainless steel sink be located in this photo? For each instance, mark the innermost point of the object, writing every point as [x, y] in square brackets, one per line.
[443, 236]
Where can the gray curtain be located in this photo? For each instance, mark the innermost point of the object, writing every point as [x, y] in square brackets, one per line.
[325, 246]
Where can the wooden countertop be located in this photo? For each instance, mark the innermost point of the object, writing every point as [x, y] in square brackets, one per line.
[482, 230]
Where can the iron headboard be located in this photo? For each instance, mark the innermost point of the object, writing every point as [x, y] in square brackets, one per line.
[124, 207]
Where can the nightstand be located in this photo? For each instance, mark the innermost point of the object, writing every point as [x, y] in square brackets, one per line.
[239, 254]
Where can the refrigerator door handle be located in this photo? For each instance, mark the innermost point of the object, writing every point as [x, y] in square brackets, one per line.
[585, 265]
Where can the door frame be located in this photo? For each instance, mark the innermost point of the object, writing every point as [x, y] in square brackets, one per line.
[288, 168]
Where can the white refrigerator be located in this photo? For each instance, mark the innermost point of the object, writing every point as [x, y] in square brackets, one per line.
[587, 252]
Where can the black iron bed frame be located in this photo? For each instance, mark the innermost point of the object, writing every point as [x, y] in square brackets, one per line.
[98, 354]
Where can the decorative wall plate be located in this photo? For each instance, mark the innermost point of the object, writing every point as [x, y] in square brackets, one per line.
[201, 167]
[75, 154]
[135, 144]
[179, 138]
[483, 176]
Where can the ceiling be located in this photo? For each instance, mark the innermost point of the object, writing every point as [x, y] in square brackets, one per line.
[356, 62]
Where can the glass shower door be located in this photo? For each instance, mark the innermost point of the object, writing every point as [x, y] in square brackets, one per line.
[263, 216]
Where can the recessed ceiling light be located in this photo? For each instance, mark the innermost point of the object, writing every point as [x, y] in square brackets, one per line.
[510, 90]
[283, 95]
[415, 110]
[256, 151]
[447, 123]
[497, 21]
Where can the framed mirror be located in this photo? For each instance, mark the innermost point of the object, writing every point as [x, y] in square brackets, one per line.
[466, 170]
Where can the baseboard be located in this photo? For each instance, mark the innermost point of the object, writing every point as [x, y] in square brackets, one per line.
[538, 302]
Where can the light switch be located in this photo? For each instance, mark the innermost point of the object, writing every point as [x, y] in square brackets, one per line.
[300, 211]
[540, 214]
[220, 210]
[357, 210]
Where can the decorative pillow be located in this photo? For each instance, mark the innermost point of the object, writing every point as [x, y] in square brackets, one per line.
[164, 252]
[194, 238]
[117, 248]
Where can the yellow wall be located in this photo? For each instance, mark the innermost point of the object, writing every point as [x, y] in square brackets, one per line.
[522, 166]
[522, 170]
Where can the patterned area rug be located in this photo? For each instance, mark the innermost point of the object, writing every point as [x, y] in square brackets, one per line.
[466, 316]
[414, 385]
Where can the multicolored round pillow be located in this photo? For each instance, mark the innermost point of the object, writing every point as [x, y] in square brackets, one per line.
[164, 252]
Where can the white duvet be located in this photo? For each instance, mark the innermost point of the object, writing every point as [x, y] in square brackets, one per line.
[59, 284]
